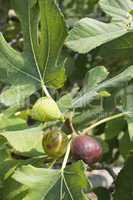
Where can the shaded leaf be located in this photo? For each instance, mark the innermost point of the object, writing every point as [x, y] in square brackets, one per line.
[130, 127]
[124, 182]
[125, 144]
[102, 193]
[114, 128]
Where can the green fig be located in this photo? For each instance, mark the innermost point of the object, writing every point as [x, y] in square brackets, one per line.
[46, 109]
[55, 143]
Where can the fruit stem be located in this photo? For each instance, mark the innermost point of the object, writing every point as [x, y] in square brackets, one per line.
[71, 125]
[66, 157]
[52, 164]
[45, 89]
[103, 121]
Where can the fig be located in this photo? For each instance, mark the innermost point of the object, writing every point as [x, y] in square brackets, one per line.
[55, 143]
[46, 109]
[86, 148]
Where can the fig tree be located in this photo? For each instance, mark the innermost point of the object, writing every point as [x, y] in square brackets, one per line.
[55, 143]
[86, 148]
[46, 109]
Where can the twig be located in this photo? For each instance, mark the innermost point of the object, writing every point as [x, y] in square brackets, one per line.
[66, 157]
[103, 121]
[74, 133]
[52, 164]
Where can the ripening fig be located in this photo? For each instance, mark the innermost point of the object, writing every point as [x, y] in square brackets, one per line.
[86, 148]
[55, 143]
[46, 109]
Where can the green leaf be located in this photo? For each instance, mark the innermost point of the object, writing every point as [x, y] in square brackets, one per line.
[102, 193]
[76, 182]
[10, 189]
[27, 142]
[14, 65]
[124, 182]
[118, 81]
[4, 152]
[95, 76]
[128, 92]
[89, 33]
[125, 144]
[17, 94]
[75, 9]
[86, 116]
[130, 127]
[42, 47]
[114, 128]
[56, 78]
[52, 184]
[14, 123]
[39, 180]
[65, 102]
[119, 10]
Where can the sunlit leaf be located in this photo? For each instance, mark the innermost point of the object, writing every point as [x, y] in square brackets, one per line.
[52, 184]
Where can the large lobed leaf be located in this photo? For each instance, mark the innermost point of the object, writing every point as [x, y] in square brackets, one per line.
[52, 184]
[42, 47]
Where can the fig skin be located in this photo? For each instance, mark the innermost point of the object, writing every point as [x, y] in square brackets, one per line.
[86, 148]
[55, 143]
[45, 109]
